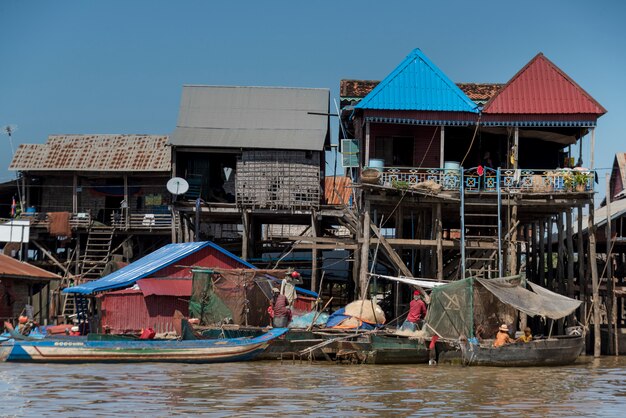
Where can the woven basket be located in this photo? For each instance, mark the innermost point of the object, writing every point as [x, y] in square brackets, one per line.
[370, 176]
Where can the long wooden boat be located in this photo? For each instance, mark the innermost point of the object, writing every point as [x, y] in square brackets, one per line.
[554, 351]
[69, 350]
[372, 347]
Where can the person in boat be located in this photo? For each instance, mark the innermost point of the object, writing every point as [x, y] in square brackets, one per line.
[503, 337]
[417, 313]
[279, 309]
[287, 286]
[526, 338]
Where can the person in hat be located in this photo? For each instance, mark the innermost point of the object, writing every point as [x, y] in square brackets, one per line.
[280, 309]
[417, 313]
[287, 286]
[503, 337]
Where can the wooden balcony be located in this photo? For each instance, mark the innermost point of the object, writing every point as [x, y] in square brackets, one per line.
[487, 180]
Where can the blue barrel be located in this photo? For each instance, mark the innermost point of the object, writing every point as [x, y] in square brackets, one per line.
[377, 164]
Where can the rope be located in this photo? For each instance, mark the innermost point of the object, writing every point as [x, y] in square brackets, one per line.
[473, 138]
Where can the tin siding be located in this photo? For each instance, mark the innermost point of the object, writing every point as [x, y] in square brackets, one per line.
[205, 257]
[131, 312]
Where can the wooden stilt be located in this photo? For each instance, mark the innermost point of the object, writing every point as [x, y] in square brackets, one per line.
[245, 239]
[569, 240]
[582, 279]
[439, 239]
[314, 253]
[365, 249]
[542, 254]
[550, 254]
[597, 347]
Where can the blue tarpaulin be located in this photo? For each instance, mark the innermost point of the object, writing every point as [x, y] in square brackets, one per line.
[153, 262]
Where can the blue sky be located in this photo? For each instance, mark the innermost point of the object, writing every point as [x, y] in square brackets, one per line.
[118, 66]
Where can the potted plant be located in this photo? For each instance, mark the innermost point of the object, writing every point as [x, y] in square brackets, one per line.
[581, 179]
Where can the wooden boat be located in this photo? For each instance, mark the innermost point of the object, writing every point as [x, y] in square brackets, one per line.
[370, 347]
[554, 351]
[67, 350]
[471, 307]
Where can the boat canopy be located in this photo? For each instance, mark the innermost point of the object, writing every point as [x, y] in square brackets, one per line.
[540, 302]
[462, 307]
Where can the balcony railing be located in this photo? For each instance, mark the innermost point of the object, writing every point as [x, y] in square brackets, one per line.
[486, 180]
[142, 221]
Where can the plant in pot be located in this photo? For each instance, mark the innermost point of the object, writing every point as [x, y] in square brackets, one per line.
[581, 179]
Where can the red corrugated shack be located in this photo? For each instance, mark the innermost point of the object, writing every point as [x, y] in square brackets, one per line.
[151, 303]
[164, 286]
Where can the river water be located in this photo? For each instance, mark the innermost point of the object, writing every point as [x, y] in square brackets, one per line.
[588, 388]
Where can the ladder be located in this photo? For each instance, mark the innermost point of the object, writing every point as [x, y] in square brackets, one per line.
[481, 232]
[95, 258]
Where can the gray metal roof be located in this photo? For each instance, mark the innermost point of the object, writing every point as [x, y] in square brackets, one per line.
[253, 117]
[95, 153]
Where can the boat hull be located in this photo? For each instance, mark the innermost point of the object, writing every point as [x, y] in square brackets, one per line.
[556, 351]
[200, 351]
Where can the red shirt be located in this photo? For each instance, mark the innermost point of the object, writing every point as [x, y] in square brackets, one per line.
[281, 307]
[417, 311]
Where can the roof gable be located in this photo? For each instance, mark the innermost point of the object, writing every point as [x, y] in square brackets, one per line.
[417, 84]
[10, 267]
[542, 88]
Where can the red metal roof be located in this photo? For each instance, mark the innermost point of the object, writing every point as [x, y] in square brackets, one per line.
[542, 88]
[10, 267]
[165, 287]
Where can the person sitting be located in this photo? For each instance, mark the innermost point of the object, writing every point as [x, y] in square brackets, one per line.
[417, 313]
[503, 337]
[526, 338]
[280, 309]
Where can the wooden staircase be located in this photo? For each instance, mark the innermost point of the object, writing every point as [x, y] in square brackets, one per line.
[93, 261]
[482, 230]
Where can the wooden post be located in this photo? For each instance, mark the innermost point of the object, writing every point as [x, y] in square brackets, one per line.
[367, 144]
[542, 253]
[591, 228]
[611, 311]
[569, 240]
[314, 254]
[439, 238]
[441, 146]
[550, 257]
[582, 279]
[515, 147]
[365, 250]
[75, 194]
[124, 207]
[245, 242]
[591, 151]
[513, 240]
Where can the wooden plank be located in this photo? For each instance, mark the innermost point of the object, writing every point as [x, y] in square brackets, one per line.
[393, 256]
[363, 277]
[597, 348]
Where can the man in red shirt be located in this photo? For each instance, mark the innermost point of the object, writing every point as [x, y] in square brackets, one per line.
[417, 313]
[280, 308]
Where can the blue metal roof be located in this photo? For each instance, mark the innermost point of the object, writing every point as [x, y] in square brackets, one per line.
[418, 84]
[153, 262]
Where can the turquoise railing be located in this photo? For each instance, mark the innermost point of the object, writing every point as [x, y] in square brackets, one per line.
[486, 179]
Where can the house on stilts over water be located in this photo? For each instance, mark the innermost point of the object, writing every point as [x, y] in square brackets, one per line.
[471, 180]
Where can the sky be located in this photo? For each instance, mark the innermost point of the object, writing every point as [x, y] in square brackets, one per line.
[118, 66]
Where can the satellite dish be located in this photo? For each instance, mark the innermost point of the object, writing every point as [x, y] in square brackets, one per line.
[177, 185]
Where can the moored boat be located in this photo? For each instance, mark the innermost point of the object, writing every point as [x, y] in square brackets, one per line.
[78, 351]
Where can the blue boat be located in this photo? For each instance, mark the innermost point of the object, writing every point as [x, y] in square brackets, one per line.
[70, 350]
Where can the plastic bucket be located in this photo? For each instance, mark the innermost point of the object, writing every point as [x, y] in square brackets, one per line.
[451, 167]
[377, 164]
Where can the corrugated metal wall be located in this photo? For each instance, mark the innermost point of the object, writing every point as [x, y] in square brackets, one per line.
[130, 312]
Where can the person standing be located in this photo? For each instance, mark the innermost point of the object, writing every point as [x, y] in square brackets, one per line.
[280, 309]
[417, 313]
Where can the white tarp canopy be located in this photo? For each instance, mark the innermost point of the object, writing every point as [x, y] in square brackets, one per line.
[539, 302]
[15, 231]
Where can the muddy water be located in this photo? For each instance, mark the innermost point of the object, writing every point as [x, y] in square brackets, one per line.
[589, 388]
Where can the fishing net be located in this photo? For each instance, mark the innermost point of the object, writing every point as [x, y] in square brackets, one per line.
[450, 312]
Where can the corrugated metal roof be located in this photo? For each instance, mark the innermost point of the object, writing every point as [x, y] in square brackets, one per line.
[141, 268]
[95, 153]
[165, 287]
[542, 88]
[417, 84]
[253, 117]
[10, 267]
[337, 190]
[153, 262]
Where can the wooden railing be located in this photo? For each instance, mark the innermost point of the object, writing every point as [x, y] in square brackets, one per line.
[142, 221]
